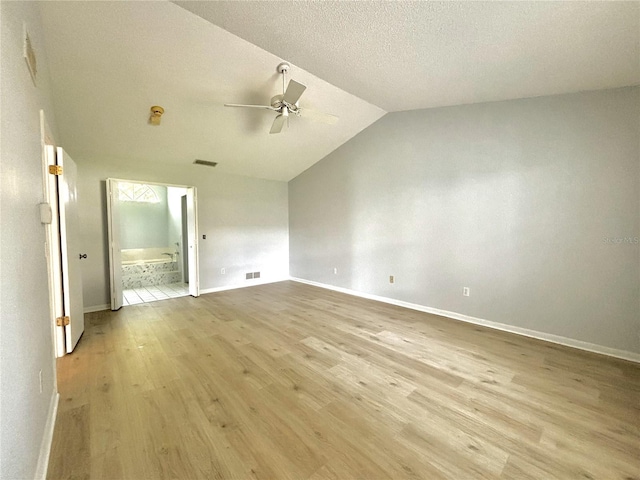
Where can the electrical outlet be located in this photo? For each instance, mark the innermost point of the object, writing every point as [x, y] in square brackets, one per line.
[223, 271]
[335, 271]
[465, 291]
[40, 379]
[392, 279]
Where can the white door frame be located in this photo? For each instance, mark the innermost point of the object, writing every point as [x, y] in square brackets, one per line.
[113, 238]
[115, 275]
[192, 241]
[49, 208]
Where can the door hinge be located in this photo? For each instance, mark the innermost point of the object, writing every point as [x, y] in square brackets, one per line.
[55, 169]
[62, 321]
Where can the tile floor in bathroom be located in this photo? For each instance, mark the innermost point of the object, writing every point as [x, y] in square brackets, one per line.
[134, 296]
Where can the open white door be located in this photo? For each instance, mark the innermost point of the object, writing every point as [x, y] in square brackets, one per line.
[70, 250]
[115, 255]
[192, 242]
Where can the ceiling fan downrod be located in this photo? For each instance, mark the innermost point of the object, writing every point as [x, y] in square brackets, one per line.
[283, 68]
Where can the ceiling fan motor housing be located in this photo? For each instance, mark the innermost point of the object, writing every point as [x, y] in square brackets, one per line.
[276, 101]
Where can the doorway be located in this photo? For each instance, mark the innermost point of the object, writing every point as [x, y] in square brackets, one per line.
[59, 212]
[152, 235]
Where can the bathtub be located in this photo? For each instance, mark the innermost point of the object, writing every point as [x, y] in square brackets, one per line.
[166, 259]
[145, 267]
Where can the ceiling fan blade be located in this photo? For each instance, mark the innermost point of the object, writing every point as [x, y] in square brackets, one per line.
[278, 124]
[294, 92]
[265, 107]
[279, 121]
[319, 116]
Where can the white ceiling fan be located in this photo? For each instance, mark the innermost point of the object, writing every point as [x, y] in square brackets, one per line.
[287, 103]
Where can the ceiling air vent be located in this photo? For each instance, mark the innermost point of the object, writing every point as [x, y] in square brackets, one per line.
[206, 163]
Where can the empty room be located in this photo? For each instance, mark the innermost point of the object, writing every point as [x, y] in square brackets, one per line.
[320, 240]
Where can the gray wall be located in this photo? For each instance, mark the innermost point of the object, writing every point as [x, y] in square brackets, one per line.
[26, 345]
[245, 221]
[514, 199]
[145, 225]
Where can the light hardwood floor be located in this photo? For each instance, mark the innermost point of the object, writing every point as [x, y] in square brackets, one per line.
[289, 381]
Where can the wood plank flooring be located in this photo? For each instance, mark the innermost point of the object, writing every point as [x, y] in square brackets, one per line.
[289, 381]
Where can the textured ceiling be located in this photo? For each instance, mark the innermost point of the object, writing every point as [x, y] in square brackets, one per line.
[111, 61]
[409, 55]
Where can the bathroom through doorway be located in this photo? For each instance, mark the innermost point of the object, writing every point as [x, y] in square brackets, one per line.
[153, 236]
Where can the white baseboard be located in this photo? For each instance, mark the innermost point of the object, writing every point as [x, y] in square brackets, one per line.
[97, 308]
[47, 438]
[249, 283]
[569, 342]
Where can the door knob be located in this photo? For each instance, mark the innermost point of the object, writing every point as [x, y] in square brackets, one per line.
[83, 255]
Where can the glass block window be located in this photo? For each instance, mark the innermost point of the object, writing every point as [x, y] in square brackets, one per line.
[136, 192]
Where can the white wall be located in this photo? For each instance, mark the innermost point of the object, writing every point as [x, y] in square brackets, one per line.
[513, 199]
[245, 221]
[26, 346]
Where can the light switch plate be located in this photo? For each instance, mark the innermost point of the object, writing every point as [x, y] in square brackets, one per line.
[46, 215]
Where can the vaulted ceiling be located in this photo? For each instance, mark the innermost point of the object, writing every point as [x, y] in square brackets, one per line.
[409, 55]
[111, 61]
